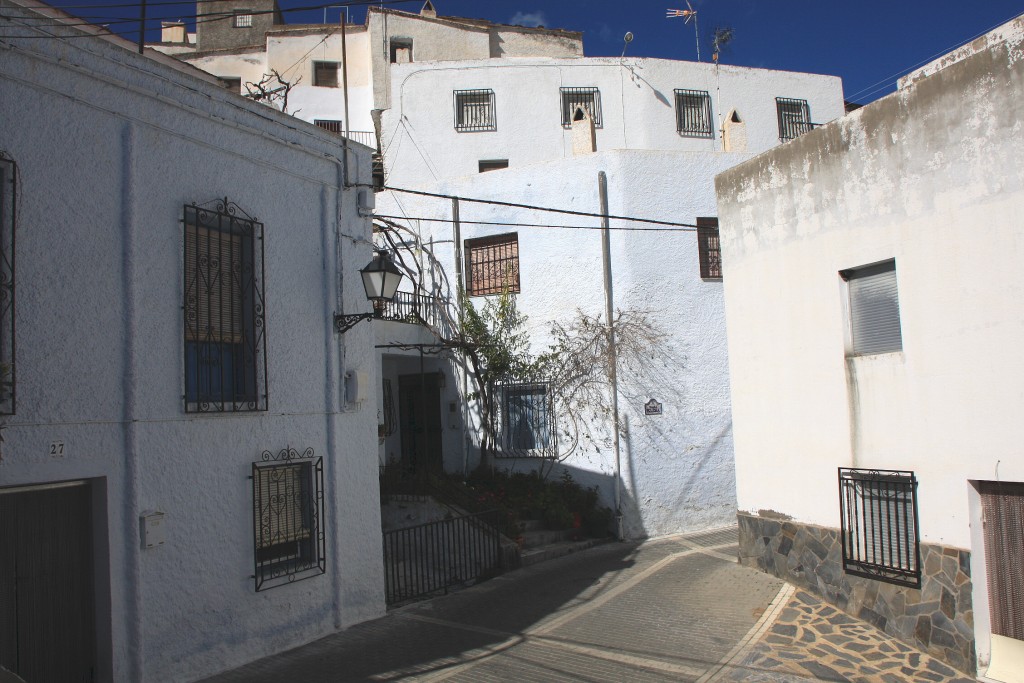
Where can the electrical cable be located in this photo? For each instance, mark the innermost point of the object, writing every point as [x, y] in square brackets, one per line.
[569, 212]
[683, 227]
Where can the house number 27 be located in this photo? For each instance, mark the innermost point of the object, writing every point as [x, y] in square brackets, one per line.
[56, 449]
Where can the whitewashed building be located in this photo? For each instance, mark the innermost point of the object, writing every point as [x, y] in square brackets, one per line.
[873, 297]
[502, 131]
[178, 448]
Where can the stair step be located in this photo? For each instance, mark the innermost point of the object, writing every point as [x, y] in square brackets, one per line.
[554, 550]
[534, 539]
[531, 525]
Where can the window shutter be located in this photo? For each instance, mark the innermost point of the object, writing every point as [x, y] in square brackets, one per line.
[213, 259]
[281, 495]
[874, 309]
[1002, 504]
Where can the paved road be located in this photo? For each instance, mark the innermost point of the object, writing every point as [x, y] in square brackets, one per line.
[675, 609]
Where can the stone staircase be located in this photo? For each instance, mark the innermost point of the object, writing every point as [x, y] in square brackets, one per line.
[540, 544]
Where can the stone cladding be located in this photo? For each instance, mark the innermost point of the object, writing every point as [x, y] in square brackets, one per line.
[937, 618]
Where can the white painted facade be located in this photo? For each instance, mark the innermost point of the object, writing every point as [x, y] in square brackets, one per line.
[110, 145]
[930, 176]
[637, 105]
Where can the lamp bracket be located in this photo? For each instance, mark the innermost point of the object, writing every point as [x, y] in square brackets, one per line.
[343, 322]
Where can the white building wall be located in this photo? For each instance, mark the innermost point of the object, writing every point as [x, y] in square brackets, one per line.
[99, 332]
[637, 102]
[676, 467]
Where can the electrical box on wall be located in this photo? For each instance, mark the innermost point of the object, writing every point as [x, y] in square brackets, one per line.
[357, 386]
[152, 527]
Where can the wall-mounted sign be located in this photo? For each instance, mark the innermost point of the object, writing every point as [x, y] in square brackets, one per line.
[652, 407]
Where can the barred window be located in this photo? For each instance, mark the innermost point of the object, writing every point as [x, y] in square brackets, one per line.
[325, 74]
[474, 111]
[879, 529]
[709, 249]
[331, 125]
[693, 114]
[8, 221]
[225, 355]
[587, 98]
[288, 531]
[874, 309]
[794, 117]
[492, 264]
[526, 419]
[242, 18]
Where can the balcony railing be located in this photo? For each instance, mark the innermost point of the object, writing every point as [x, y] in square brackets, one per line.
[363, 137]
[416, 308]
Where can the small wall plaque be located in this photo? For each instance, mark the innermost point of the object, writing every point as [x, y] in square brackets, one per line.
[652, 407]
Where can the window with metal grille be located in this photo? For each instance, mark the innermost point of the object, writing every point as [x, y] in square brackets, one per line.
[325, 74]
[225, 355]
[874, 309]
[693, 114]
[526, 420]
[492, 264]
[709, 249]
[474, 111]
[879, 531]
[288, 532]
[1002, 505]
[8, 221]
[587, 98]
[242, 18]
[331, 125]
[794, 117]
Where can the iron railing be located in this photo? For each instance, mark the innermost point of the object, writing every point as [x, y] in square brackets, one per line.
[414, 308]
[363, 137]
[794, 118]
[574, 98]
[436, 556]
[474, 111]
[693, 114]
[879, 527]
[289, 540]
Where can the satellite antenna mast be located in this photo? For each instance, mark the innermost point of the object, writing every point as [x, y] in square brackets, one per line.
[687, 15]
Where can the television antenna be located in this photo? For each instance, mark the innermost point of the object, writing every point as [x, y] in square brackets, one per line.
[687, 15]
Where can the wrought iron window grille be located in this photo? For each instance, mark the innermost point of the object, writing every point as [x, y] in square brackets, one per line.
[9, 180]
[693, 114]
[475, 111]
[224, 328]
[289, 541]
[879, 525]
[525, 419]
[242, 18]
[587, 98]
[492, 264]
[709, 249]
[794, 118]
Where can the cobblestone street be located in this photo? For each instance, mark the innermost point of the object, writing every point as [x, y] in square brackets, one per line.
[675, 609]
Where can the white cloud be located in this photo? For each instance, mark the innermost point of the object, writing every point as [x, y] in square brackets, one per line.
[532, 19]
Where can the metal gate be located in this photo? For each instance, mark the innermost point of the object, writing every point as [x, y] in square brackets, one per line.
[47, 625]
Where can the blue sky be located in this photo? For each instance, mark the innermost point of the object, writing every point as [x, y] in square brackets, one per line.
[867, 43]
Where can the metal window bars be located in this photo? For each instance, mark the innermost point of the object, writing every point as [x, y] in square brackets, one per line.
[587, 98]
[224, 328]
[693, 114]
[525, 419]
[242, 18]
[474, 111]
[794, 117]
[325, 74]
[288, 523]
[879, 525]
[492, 264]
[709, 249]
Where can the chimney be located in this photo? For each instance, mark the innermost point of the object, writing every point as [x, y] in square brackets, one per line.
[428, 10]
[173, 32]
[584, 140]
[734, 133]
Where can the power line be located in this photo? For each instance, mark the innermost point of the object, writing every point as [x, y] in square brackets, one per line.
[568, 212]
[463, 221]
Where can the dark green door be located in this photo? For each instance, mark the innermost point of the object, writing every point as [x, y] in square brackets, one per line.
[419, 398]
[47, 625]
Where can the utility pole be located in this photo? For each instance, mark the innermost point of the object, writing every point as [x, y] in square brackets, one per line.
[606, 256]
[142, 27]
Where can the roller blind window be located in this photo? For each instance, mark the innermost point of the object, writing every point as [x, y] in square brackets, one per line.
[874, 309]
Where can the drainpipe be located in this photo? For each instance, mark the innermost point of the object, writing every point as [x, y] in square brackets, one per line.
[602, 182]
[344, 87]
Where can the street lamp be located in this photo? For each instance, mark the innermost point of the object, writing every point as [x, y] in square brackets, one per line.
[381, 278]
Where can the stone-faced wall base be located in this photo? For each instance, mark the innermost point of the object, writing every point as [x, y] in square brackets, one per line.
[937, 618]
